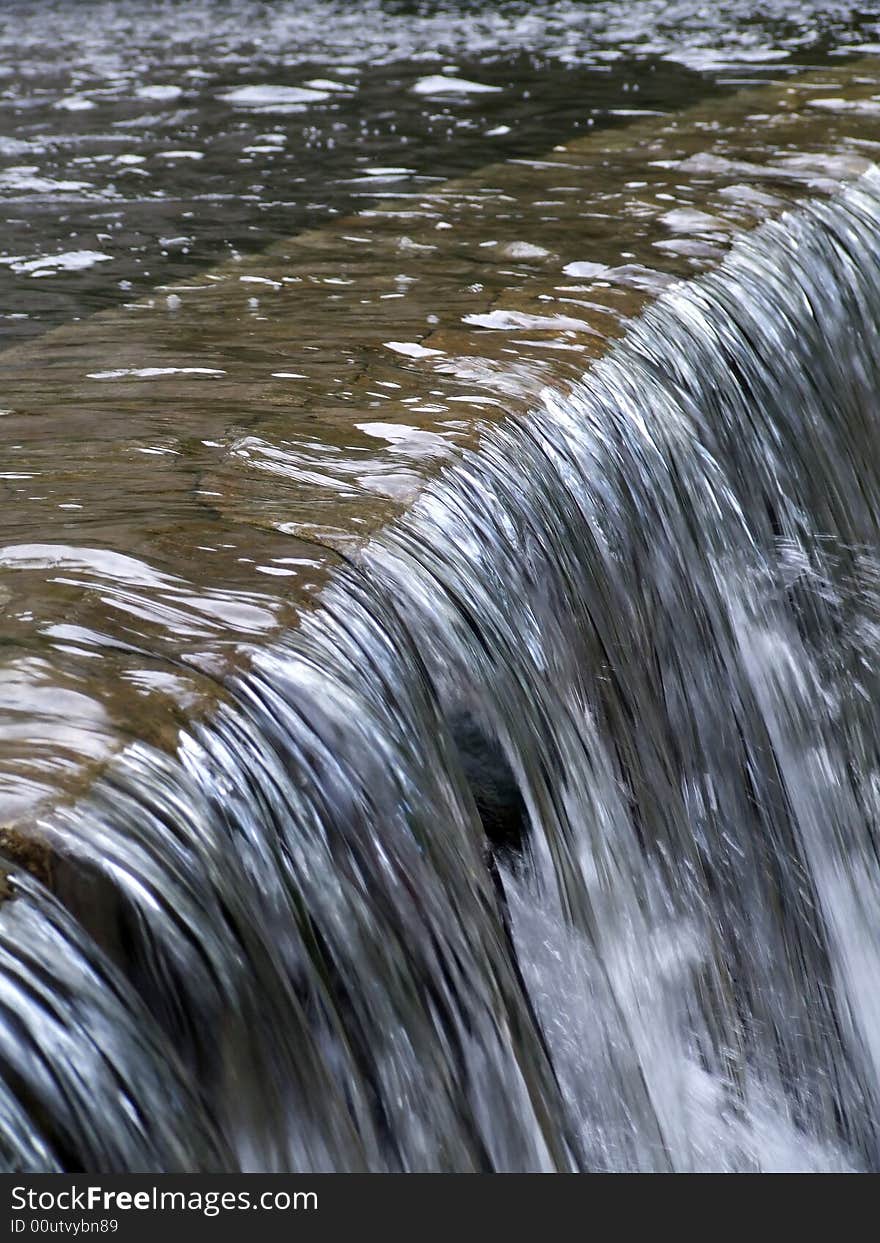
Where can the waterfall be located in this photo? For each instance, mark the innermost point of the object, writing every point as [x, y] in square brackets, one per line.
[289, 946]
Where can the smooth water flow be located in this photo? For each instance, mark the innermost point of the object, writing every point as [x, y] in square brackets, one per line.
[659, 594]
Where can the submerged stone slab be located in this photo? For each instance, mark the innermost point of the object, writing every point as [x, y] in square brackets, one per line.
[183, 473]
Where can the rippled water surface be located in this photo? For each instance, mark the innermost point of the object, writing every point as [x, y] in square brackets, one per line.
[140, 142]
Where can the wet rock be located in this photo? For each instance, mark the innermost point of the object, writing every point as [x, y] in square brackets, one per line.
[492, 783]
[23, 850]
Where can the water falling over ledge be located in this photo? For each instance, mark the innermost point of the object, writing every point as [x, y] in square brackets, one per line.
[291, 947]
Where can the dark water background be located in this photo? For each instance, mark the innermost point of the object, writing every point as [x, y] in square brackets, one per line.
[119, 154]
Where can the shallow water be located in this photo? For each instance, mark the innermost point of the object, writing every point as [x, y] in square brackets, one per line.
[655, 586]
[179, 469]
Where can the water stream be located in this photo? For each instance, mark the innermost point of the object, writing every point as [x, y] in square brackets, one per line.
[503, 796]
[659, 593]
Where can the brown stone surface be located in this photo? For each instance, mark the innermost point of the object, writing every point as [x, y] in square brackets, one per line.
[159, 520]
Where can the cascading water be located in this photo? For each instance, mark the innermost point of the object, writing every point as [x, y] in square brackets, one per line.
[660, 594]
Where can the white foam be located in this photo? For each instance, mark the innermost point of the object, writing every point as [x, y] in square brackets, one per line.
[162, 93]
[19, 146]
[272, 98]
[47, 265]
[100, 561]
[150, 373]
[411, 349]
[327, 84]
[863, 107]
[75, 103]
[392, 432]
[503, 320]
[585, 269]
[439, 84]
[27, 178]
[689, 220]
[525, 250]
[376, 171]
[707, 59]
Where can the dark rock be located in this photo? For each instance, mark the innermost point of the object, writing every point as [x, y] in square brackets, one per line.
[492, 783]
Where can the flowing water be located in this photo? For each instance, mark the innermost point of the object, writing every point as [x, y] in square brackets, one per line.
[270, 932]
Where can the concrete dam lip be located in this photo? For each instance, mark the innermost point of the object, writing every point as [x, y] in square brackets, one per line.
[183, 473]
